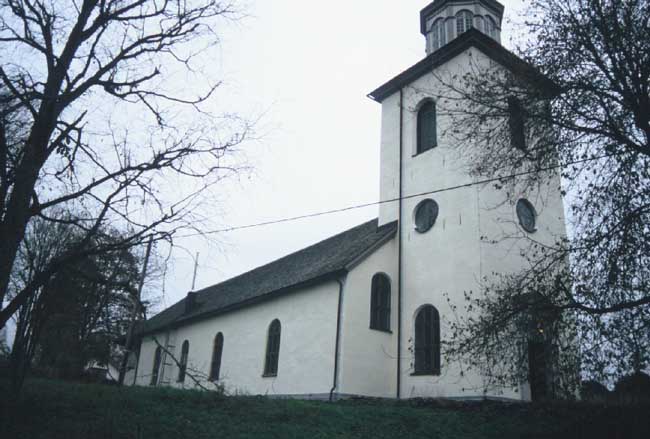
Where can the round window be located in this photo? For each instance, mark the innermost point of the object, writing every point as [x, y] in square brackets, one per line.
[426, 213]
[526, 214]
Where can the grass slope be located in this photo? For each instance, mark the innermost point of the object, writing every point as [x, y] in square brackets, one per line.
[52, 409]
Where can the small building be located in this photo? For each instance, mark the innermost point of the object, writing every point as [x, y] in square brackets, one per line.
[3, 339]
[101, 371]
[365, 312]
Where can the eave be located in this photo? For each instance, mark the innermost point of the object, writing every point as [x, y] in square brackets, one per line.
[471, 38]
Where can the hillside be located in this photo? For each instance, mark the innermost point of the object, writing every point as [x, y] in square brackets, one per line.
[52, 409]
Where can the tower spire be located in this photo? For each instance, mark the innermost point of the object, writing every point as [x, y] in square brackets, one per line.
[444, 20]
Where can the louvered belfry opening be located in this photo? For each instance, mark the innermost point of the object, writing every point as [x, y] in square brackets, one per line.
[427, 135]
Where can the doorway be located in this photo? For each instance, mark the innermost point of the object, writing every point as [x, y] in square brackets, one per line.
[537, 371]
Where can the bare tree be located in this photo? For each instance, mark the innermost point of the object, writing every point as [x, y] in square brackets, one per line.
[63, 63]
[579, 107]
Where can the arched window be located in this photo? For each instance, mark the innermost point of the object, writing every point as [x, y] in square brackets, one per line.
[380, 302]
[427, 341]
[438, 34]
[156, 366]
[217, 350]
[427, 137]
[463, 21]
[182, 367]
[272, 349]
[516, 122]
[490, 26]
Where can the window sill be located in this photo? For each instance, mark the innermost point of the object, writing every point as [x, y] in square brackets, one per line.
[269, 375]
[387, 331]
[427, 373]
[415, 154]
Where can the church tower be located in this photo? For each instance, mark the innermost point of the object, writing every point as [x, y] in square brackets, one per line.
[449, 239]
[445, 20]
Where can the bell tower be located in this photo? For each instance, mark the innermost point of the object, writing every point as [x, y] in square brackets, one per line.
[455, 234]
[445, 20]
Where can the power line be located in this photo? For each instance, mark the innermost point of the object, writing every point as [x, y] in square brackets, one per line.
[392, 200]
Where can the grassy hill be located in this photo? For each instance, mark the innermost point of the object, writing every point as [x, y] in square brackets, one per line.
[53, 409]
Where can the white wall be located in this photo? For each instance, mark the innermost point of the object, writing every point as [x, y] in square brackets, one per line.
[306, 360]
[451, 258]
[368, 356]
[389, 159]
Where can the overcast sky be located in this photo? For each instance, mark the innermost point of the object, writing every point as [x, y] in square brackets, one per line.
[306, 67]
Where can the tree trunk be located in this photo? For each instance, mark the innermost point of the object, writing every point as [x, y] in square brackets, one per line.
[17, 212]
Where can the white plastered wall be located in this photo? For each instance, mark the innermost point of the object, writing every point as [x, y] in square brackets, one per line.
[450, 259]
[368, 356]
[306, 360]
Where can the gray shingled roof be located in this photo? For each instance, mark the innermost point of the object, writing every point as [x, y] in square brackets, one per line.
[322, 261]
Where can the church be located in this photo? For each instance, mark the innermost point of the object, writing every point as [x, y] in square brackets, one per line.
[366, 312]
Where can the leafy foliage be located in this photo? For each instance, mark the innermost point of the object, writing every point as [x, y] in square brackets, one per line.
[89, 305]
[81, 311]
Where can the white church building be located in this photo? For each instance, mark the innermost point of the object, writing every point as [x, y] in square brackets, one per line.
[366, 312]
